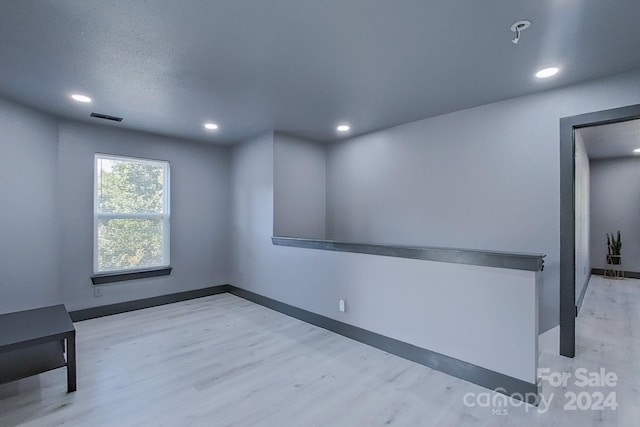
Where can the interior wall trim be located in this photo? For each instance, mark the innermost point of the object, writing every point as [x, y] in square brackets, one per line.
[123, 307]
[583, 293]
[627, 274]
[481, 376]
[511, 260]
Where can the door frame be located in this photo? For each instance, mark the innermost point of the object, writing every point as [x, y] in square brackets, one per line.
[568, 125]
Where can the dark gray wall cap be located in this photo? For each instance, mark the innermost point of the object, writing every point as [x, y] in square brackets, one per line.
[511, 260]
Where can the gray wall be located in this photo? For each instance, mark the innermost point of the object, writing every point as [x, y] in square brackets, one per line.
[410, 300]
[252, 213]
[615, 205]
[199, 212]
[299, 188]
[28, 218]
[46, 231]
[485, 178]
[582, 216]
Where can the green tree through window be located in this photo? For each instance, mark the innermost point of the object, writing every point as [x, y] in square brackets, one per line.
[131, 214]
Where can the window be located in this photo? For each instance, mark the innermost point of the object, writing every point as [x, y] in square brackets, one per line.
[131, 214]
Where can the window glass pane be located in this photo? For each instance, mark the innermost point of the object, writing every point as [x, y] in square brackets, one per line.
[129, 186]
[129, 243]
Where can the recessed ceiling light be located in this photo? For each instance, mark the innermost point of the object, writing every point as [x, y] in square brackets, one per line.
[211, 126]
[637, 150]
[343, 128]
[80, 98]
[547, 72]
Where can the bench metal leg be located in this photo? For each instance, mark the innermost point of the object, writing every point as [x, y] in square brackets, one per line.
[71, 363]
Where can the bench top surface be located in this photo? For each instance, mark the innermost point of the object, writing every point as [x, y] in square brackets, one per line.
[33, 326]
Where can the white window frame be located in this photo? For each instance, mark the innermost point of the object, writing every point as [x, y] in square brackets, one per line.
[166, 216]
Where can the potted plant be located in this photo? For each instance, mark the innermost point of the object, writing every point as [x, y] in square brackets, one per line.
[614, 246]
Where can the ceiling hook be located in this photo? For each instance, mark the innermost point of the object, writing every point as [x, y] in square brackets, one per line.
[518, 28]
[517, 38]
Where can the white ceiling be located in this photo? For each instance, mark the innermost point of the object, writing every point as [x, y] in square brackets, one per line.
[612, 140]
[301, 67]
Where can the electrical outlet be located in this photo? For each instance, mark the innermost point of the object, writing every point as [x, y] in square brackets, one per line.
[97, 291]
[342, 305]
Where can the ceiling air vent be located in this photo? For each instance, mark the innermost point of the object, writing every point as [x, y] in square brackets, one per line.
[106, 117]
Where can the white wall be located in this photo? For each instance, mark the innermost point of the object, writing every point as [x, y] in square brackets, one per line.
[466, 312]
[300, 188]
[582, 216]
[199, 212]
[615, 205]
[28, 218]
[483, 178]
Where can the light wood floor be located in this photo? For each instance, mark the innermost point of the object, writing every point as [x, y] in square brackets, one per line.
[221, 360]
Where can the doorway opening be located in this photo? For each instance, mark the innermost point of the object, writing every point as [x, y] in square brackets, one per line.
[568, 127]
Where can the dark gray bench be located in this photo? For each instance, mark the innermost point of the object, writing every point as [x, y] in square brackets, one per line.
[36, 341]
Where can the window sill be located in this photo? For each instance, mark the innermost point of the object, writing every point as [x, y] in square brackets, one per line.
[121, 276]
